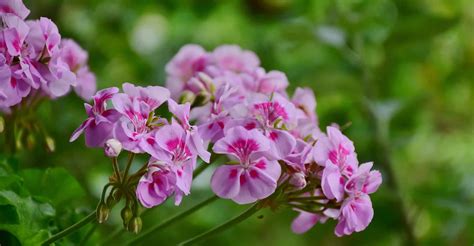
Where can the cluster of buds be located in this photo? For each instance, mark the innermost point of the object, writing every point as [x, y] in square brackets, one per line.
[267, 147]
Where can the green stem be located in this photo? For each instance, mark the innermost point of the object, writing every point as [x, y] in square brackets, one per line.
[307, 198]
[173, 219]
[71, 229]
[116, 169]
[200, 169]
[129, 163]
[226, 225]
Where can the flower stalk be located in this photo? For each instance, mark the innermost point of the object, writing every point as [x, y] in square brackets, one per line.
[223, 227]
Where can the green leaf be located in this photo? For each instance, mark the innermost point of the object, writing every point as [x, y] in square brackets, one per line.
[54, 184]
[23, 219]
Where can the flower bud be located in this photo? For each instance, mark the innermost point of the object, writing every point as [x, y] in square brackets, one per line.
[102, 213]
[187, 96]
[2, 124]
[298, 180]
[126, 214]
[201, 99]
[50, 145]
[135, 225]
[112, 147]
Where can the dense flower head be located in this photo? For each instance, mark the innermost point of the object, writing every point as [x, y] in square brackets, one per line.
[271, 140]
[226, 110]
[35, 61]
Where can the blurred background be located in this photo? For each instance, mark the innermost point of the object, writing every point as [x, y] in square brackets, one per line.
[400, 72]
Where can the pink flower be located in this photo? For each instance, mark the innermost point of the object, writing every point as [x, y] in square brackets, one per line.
[356, 214]
[300, 156]
[15, 31]
[135, 105]
[156, 185]
[170, 144]
[213, 116]
[255, 177]
[76, 59]
[306, 221]
[233, 58]
[15, 7]
[266, 83]
[338, 149]
[100, 123]
[189, 60]
[44, 37]
[270, 116]
[332, 182]
[181, 113]
[305, 102]
[364, 180]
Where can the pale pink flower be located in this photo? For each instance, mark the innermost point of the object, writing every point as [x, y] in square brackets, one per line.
[135, 105]
[189, 60]
[156, 185]
[255, 177]
[356, 214]
[171, 145]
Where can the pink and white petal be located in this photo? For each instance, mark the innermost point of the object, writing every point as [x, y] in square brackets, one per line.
[184, 175]
[199, 146]
[282, 143]
[170, 136]
[271, 168]
[321, 150]
[373, 182]
[337, 138]
[149, 145]
[123, 103]
[147, 195]
[80, 129]
[232, 136]
[304, 222]
[180, 111]
[260, 184]
[332, 182]
[244, 196]
[225, 181]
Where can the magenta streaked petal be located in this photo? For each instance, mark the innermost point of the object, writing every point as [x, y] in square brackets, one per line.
[225, 181]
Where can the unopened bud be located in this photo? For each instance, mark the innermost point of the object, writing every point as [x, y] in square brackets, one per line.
[126, 214]
[2, 124]
[135, 225]
[50, 145]
[112, 147]
[201, 99]
[298, 180]
[206, 80]
[102, 213]
[187, 96]
[30, 141]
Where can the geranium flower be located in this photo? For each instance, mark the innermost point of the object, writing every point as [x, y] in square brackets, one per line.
[255, 177]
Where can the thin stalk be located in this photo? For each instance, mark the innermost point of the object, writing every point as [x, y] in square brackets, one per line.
[200, 169]
[226, 225]
[172, 220]
[129, 163]
[86, 220]
[307, 198]
[116, 169]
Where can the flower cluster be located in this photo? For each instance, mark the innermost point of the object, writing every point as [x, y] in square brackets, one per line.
[267, 145]
[35, 62]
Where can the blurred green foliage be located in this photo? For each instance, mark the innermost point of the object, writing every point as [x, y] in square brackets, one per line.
[400, 71]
